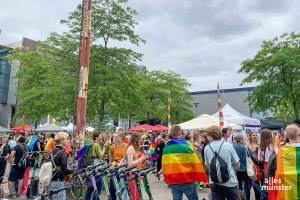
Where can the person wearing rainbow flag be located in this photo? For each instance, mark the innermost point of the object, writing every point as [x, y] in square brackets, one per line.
[287, 177]
[181, 166]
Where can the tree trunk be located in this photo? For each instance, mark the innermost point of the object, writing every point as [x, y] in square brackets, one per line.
[102, 110]
[295, 107]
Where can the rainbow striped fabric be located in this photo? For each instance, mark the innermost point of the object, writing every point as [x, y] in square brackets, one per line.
[287, 176]
[153, 155]
[180, 163]
[82, 151]
[49, 145]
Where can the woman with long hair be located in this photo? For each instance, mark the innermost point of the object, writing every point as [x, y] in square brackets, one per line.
[134, 158]
[253, 145]
[266, 148]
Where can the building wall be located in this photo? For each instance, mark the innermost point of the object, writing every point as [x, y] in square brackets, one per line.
[7, 109]
[235, 97]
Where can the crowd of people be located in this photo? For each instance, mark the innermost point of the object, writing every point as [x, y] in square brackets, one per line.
[186, 161]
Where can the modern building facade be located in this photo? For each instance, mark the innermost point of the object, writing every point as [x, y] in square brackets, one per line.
[205, 102]
[9, 82]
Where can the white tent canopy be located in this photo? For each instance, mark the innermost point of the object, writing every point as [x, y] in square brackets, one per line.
[231, 115]
[69, 128]
[48, 128]
[205, 121]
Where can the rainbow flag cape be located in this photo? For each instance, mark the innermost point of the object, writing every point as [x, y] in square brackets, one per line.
[82, 151]
[180, 163]
[49, 145]
[288, 173]
[153, 155]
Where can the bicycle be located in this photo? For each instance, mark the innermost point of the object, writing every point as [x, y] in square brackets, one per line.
[123, 174]
[138, 173]
[51, 193]
[103, 180]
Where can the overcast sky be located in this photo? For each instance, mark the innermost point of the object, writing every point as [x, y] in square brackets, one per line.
[203, 40]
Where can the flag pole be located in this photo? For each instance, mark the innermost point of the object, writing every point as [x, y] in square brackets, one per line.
[220, 107]
[169, 112]
[84, 69]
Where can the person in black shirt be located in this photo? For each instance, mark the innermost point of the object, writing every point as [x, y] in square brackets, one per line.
[16, 173]
[4, 154]
[59, 162]
[159, 150]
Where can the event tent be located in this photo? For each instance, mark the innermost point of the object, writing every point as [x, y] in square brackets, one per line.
[161, 127]
[272, 124]
[205, 121]
[146, 127]
[21, 128]
[48, 128]
[5, 130]
[231, 115]
[69, 128]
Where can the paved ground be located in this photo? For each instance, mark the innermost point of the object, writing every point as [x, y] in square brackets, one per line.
[160, 191]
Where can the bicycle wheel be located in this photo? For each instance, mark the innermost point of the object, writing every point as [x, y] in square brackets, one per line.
[77, 191]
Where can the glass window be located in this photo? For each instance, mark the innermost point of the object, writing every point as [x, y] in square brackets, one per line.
[4, 75]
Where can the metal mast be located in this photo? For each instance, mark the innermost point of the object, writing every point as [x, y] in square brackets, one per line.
[84, 68]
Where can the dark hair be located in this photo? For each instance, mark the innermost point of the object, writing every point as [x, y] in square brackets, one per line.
[52, 135]
[224, 131]
[21, 140]
[96, 134]
[164, 136]
[187, 137]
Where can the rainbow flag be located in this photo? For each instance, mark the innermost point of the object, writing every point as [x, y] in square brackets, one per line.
[288, 173]
[82, 151]
[220, 108]
[49, 145]
[180, 163]
[153, 155]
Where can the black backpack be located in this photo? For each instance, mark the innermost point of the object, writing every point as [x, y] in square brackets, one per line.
[25, 161]
[219, 172]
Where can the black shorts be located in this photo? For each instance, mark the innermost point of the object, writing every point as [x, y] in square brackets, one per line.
[16, 174]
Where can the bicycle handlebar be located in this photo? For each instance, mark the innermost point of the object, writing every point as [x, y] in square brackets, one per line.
[57, 191]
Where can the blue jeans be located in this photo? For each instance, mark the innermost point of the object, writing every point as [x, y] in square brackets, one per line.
[89, 192]
[55, 185]
[189, 189]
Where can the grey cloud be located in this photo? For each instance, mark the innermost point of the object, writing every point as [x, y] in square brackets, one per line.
[203, 40]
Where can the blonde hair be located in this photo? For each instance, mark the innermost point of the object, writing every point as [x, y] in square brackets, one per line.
[61, 136]
[292, 132]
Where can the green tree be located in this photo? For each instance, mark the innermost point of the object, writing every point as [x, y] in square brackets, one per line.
[116, 84]
[276, 70]
[111, 21]
[154, 89]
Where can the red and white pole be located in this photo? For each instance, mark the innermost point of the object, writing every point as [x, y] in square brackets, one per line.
[84, 68]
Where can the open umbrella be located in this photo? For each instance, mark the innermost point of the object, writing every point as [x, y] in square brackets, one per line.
[146, 127]
[161, 127]
[21, 128]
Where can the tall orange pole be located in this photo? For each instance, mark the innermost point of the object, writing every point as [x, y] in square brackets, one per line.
[84, 68]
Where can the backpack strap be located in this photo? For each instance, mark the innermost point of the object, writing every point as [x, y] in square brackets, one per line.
[53, 162]
[220, 147]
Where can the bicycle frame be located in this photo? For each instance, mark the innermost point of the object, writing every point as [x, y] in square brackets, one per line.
[146, 183]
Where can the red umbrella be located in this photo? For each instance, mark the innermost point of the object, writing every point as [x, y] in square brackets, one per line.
[161, 127]
[21, 128]
[146, 127]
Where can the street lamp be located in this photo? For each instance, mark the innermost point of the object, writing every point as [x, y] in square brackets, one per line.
[196, 105]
